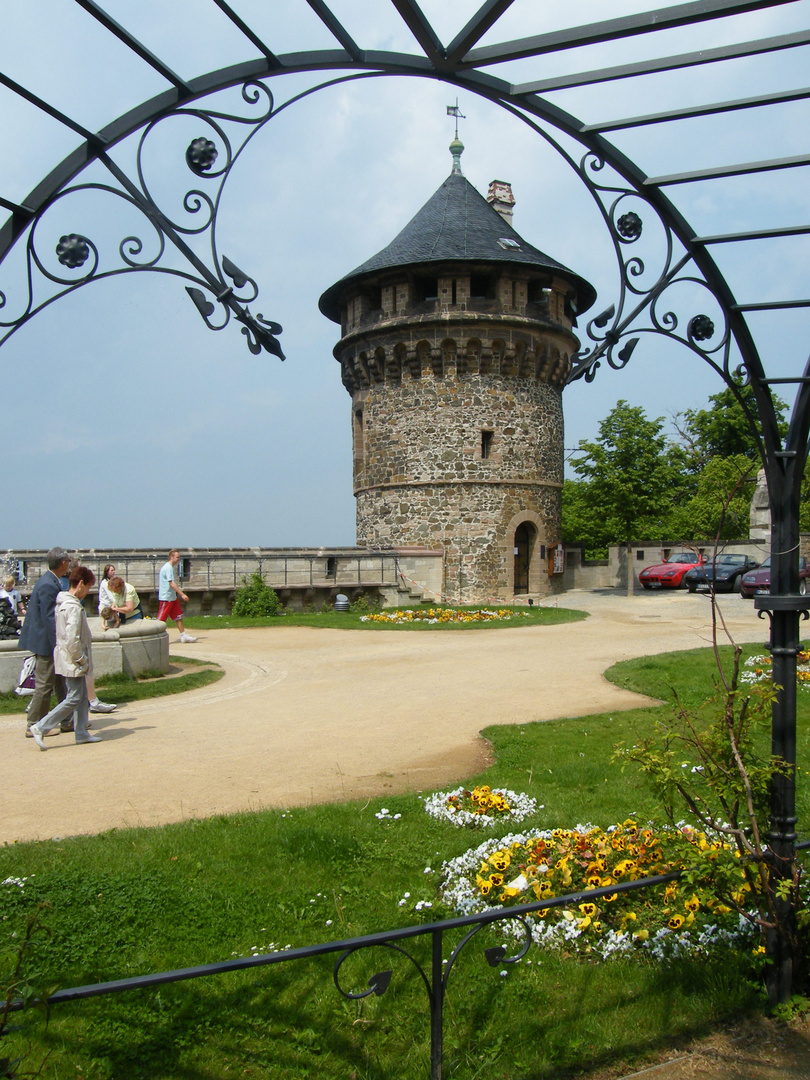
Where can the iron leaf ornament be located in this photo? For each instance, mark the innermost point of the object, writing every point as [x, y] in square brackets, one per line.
[212, 283]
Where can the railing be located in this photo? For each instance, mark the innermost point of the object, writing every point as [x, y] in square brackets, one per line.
[435, 979]
[210, 571]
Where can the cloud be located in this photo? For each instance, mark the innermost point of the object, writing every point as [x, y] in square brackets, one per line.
[189, 425]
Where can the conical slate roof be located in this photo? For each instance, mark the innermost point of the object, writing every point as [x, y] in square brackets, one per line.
[455, 223]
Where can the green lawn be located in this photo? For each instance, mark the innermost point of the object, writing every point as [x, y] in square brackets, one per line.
[133, 901]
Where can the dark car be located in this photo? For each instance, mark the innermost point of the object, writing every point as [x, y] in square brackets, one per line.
[759, 580]
[724, 572]
[670, 573]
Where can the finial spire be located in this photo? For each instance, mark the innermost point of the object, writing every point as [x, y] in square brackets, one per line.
[456, 146]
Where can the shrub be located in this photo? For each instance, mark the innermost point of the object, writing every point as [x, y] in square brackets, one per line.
[363, 603]
[255, 597]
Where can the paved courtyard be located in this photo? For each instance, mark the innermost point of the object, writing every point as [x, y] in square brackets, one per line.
[306, 716]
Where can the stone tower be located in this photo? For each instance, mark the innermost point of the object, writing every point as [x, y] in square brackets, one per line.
[455, 345]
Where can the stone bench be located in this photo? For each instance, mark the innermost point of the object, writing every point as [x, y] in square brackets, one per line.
[132, 649]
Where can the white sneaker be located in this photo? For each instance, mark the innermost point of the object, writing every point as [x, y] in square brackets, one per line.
[102, 706]
[36, 735]
[187, 638]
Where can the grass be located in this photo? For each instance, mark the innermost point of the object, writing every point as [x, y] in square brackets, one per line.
[133, 901]
[353, 620]
[121, 688]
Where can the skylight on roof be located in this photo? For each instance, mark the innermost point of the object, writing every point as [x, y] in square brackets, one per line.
[508, 243]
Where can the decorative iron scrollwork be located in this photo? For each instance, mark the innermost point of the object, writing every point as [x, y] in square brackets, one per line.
[700, 328]
[379, 982]
[219, 283]
[73, 250]
[648, 302]
[201, 155]
[436, 987]
[629, 226]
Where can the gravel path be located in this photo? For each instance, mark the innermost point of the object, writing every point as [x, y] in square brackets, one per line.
[307, 716]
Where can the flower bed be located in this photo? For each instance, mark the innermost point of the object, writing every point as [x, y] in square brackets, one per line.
[444, 615]
[760, 669]
[481, 807]
[678, 919]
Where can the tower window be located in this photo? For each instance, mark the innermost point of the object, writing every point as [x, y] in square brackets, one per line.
[358, 439]
[374, 299]
[486, 444]
[481, 287]
[427, 288]
[538, 291]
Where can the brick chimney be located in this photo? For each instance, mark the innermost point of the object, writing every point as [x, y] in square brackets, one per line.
[500, 198]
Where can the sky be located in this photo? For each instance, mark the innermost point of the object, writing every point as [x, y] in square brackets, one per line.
[130, 423]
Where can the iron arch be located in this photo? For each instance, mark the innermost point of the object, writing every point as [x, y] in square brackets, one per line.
[218, 285]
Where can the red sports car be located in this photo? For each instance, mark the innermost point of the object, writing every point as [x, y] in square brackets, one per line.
[669, 574]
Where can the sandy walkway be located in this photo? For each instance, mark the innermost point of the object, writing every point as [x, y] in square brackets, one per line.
[306, 716]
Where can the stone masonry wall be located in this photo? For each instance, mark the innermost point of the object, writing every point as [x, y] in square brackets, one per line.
[458, 464]
[473, 523]
[433, 429]
[458, 427]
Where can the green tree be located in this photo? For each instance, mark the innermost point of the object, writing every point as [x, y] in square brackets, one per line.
[721, 503]
[720, 447]
[723, 430]
[631, 477]
[581, 523]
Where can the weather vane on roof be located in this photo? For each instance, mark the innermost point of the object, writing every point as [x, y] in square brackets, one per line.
[453, 110]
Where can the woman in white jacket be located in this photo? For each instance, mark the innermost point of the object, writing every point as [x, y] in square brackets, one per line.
[72, 658]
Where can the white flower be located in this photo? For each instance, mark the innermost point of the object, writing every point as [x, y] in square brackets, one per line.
[520, 806]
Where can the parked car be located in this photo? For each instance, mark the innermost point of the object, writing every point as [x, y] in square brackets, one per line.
[669, 574]
[759, 580]
[724, 572]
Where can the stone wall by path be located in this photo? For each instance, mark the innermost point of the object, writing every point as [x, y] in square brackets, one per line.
[459, 465]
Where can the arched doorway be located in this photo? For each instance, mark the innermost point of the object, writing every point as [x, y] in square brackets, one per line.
[525, 536]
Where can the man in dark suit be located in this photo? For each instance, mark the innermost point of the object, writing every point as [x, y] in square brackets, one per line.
[39, 637]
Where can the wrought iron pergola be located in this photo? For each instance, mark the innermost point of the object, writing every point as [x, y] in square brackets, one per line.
[693, 49]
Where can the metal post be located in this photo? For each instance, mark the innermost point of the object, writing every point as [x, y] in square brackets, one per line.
[784, 487]
[784, 464]
[436, 1006]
